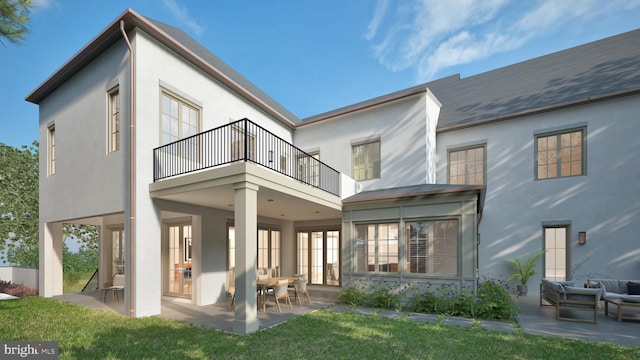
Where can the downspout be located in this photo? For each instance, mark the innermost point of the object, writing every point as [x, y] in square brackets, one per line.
[132, 173]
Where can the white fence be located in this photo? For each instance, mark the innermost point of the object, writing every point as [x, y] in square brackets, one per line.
[20, 275]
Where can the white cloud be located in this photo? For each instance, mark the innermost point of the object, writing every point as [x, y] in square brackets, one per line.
[182, 15]
[431, 35]
[381, 9]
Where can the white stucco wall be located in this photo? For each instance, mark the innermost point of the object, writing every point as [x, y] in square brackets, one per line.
[400, 125]
[604, 202]
[87, 180]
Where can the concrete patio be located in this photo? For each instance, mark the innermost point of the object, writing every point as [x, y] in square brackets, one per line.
[533, 319]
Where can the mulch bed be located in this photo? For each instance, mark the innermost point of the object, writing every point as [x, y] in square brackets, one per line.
[16, 289]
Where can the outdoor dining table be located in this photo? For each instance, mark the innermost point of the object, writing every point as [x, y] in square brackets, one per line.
[263, 285]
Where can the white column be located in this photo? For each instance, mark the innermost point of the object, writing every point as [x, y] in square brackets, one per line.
[50, 269]
[246, 217]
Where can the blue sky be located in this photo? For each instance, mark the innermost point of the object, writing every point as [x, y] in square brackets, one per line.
[315, 56]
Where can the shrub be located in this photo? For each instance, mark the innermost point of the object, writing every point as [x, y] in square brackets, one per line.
[494, 301]
[351, 295]
[490, 300]
[16, 289]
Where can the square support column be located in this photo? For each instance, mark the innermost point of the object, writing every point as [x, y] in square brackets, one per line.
[50, 267]
[246, 218]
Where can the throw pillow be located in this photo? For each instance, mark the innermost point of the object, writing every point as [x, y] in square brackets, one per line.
[634, 288]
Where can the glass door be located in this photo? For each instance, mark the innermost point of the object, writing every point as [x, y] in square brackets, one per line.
[556, 258]
[178, 260]
[318, 256]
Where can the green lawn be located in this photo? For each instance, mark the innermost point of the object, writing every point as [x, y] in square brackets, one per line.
[85, 333]
[74, 282]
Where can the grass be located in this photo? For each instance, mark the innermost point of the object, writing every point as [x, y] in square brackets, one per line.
[85, 333]
[74, 282]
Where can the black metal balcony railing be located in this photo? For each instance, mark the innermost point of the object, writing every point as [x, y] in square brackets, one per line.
[242, 140]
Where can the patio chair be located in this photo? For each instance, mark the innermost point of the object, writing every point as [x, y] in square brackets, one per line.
[280, 292]
[300, 289]
[116, 287]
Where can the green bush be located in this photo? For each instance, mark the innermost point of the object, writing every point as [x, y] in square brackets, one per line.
[494, 301]
[490, 300]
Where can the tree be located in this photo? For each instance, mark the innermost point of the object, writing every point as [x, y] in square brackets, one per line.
[19, 204]
[19, 215]
[14, 18]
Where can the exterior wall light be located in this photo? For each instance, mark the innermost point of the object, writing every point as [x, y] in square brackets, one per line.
[582, 237]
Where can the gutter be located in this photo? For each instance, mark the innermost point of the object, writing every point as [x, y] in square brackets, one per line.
[132, 173]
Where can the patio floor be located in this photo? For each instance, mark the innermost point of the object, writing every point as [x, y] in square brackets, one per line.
[533, 319]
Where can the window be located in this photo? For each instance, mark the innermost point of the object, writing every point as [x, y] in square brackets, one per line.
[309, 168]
[560, 154]
[377, 247]
[238, 146]
[117, 251]
[180, 120]
[432, 247]
[268, 251]
[114, 121]
[51, 150]
[365, 160]
[467, 166]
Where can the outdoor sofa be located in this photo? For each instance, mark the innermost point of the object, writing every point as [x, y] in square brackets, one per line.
[625, 290]
[565, 295]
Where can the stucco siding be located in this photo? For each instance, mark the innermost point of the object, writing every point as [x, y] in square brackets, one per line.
[87, 180]
[603, 202]
[401, 127]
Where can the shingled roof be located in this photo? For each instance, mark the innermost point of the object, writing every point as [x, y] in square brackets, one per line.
[607, 67]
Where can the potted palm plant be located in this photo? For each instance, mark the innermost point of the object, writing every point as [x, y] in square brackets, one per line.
[524, 272]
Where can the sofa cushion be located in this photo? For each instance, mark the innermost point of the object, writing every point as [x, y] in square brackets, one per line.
[584, 294]
[610, 296]
[630, 298]
[610, 285]
[633, 288]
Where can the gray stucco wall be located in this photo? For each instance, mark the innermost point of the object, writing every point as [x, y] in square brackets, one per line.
[603, 202]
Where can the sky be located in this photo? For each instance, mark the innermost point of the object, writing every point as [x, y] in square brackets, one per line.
[316, 56]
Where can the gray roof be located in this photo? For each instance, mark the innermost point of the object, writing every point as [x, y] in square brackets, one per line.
[606, 67]
[415, 191]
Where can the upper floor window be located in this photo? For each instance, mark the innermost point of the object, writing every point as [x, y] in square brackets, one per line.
[467, 166]
[365, 160]
[309, 169]
[560, 154]
[51, 150]
[114, 121]
[179, 119]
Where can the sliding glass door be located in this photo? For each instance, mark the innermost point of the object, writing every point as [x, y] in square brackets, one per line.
[178, 260]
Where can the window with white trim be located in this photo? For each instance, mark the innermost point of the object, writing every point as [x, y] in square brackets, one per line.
[51, 150]
[179, 120]
[365, 160]
[113, 121]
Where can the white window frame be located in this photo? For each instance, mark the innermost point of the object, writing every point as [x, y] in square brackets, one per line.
[371, 167]
[113, 120]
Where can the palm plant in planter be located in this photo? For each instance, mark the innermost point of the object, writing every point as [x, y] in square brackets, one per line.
[524, 271]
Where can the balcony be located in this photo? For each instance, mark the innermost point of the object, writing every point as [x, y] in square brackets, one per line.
[242, 141]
